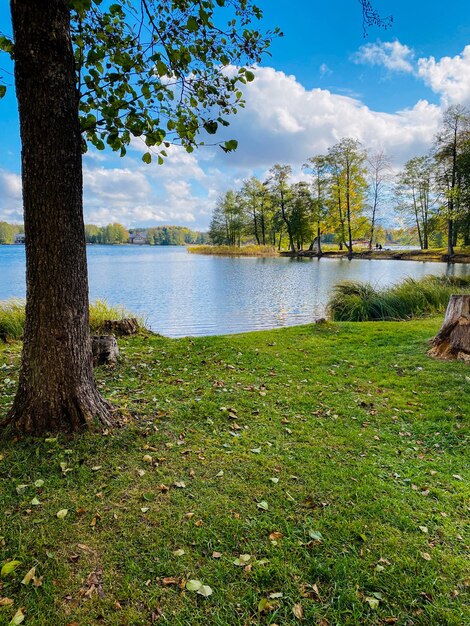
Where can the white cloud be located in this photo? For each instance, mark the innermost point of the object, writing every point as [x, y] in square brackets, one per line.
[11, 205]
[284, 122]
[393, 55]
[448, 77]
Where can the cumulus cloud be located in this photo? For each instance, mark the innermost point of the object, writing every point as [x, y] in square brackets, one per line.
[393, 55]
[449, 76]
[11, 207]
[284, 122]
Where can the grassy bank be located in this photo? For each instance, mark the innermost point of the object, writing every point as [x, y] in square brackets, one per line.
[333, 456]
[462, 255]
[360, 302]
[250, 250]
[12, 317]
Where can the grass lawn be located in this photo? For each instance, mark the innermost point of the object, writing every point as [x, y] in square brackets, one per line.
[333, 457]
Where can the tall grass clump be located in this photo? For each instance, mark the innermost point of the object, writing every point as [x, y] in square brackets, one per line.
[247, 250]
[362, 302]
[12, 317]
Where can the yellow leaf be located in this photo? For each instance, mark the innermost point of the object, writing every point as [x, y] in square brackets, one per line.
[298, 611]
[29, 576]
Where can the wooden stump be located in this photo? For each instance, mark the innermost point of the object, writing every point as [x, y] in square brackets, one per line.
[105, 349]
[128, 326]
[453, 339]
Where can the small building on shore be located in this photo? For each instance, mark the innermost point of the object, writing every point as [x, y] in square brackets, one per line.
[19, 238]
[139, 238]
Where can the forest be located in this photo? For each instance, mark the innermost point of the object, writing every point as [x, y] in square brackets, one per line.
[351, 193]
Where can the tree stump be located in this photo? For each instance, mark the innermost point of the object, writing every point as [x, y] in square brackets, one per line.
[105, 349]
[453, 339]
[128, 326]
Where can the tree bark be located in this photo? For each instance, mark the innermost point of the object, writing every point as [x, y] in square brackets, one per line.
[56, 389]
[453, 339]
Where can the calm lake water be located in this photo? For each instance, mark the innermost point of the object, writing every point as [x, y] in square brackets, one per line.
[187, 294]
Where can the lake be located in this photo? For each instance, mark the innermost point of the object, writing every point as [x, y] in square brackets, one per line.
[183, 294]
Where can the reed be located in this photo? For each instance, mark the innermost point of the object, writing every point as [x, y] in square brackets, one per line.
[361, 302]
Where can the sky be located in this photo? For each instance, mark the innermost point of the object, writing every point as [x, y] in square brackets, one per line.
[324, 80]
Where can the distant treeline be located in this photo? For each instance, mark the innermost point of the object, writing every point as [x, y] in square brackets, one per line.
[116, 233]
[154, 236]
[8, 232]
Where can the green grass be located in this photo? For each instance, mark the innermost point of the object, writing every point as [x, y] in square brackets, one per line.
[360, 302]
[245, 250]
[12, 317]
[365, 434]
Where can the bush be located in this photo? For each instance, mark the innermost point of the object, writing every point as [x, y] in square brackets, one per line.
[12, 317]
[361, 302]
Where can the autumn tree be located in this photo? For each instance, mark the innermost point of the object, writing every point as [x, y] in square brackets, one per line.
[450, 143]
[415, 197]
[347, 161]
[96, 73]
[281, 192]
[318, 168]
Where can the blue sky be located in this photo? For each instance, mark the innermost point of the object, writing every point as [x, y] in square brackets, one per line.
[323, 81]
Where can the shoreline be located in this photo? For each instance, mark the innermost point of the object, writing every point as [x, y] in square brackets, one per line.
[386, 255]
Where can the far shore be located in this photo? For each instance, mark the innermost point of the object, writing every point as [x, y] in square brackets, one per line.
[462, 255]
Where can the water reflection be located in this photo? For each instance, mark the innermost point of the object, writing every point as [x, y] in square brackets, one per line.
[183, 294]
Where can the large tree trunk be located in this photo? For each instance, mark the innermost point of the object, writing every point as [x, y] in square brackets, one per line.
[56, 389]
[453, 339]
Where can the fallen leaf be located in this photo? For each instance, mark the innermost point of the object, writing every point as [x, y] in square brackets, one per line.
[39, 483]
[264, 606]
[220, 474]
[18, 618]
[193, 585]
[170, 580]
[62, 513]
[426, 556]
[315, 535]
[263, 505]
[29, 576]
[216, 555]
[276, 594]
[424, 529]
[242, 560]
[204, 590]
[178, 552]
[274, 480]
[298, 611]
[35, 502]
[9, 567]
[6, 601]
[275, 535]
[372, 602]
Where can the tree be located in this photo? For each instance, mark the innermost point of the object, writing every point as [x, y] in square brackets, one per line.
[347, 160]
[379, 174]
[103, 75]
[449, 144]
[414, 196]
[7, 232]
[318, 168]
[228, 220]
[282, 195]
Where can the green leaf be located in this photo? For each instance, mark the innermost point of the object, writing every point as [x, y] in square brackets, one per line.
[9, 567]
[193, 585]
[205, 591]
[250, 77]
[18, 618]
[147, 157]
[35, 502]
[62, 513]
[192, 24]
[39, 483]
[315, 535]
[230, 146]
[372, 602]
[263, 505]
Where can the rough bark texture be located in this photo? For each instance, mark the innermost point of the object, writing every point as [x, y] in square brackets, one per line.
[56, 389]
[453, 339]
